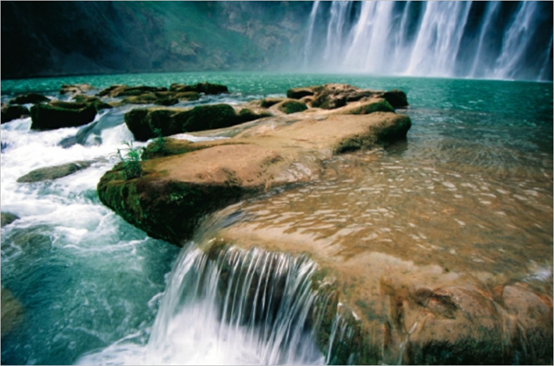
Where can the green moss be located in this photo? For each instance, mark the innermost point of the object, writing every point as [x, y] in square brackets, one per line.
[48, 117]
[355, 143]
[136, 122]
[207, 117]
[396, 131]
[292, 106]
[163, 209]
[268, 102]
[379, 106]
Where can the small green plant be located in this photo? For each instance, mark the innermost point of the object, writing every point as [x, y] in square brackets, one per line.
[159, 142]
[131, 161]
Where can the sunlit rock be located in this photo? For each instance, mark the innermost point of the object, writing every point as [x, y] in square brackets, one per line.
[176, 191]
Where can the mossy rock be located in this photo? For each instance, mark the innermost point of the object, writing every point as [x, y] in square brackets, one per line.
[297, 93]
[126, 91]
[11, 112]
[170, 147]
[188, 96]
[143, 122]
[396, 98]
[141, 99]
[207, 117]
[137, 123]
[76, 88]
[379, 105]
[54, 172]
[291, 106]
[67, 105]
[268, 102]
[12, 312]
[164, 210]
[8, 218]
[95, 101]
[246, 115]
[29, 98]
[49, 117]
[206, 88]
[382, 136]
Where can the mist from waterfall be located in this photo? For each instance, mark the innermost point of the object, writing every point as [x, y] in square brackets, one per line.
[492, 40]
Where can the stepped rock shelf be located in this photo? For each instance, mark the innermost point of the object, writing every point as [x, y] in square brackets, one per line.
[371, 307]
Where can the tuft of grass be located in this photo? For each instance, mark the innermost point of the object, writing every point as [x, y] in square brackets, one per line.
[131, 161]
[159, 142]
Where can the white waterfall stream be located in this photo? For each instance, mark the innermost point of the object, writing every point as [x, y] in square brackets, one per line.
[440, 39]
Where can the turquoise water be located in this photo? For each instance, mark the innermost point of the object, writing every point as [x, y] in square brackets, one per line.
[87, 280]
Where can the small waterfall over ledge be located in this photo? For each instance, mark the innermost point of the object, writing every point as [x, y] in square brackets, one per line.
[238, 307]
[497, 40]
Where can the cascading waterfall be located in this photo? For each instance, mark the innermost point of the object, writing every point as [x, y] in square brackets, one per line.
[243, 307]
[237, 307]
[499, 40]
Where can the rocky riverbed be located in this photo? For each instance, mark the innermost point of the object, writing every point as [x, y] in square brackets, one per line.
[397, 309]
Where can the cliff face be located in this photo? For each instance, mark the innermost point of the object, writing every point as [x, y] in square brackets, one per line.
[64, 38]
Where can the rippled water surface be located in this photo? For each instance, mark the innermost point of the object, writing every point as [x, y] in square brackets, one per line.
[469, 190]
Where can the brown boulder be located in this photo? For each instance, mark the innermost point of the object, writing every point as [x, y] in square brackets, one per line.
[254, 160]
[333, 96]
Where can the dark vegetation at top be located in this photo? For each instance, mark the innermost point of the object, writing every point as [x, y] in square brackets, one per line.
[71, 38]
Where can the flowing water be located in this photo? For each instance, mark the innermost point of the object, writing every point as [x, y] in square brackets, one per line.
[470, 187]
[500, 40]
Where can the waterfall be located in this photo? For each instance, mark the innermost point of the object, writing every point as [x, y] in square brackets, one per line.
[242, 307]
[497, 40]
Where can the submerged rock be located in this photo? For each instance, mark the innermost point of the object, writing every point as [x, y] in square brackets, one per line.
[8, 218]
[61, 114]
[29, 98]
[11, 112]
[12, 312]
[54, 172]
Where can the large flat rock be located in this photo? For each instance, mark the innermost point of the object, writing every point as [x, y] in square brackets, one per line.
[281, 150]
